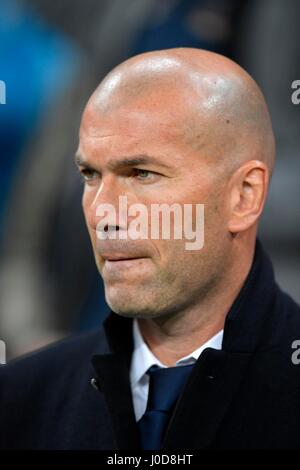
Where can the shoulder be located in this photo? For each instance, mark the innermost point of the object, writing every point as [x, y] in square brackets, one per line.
[41, 393]
[54, 361]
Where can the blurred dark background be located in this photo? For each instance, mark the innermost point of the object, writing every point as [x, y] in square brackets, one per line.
[52, 56]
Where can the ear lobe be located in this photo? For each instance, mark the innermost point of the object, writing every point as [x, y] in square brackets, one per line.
[248, 189]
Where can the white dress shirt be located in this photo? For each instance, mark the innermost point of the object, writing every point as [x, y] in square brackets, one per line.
[143, 359]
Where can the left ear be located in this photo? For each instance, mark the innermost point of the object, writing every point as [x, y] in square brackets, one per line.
[247, 194]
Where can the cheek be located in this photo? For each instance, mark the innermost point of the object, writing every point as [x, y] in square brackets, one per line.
[87, 198]
[92, 235]
[89, 210]
[90, 219]
[170, 255]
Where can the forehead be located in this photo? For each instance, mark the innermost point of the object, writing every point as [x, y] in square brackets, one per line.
[114, 142]
[139, 124]
[167, 125]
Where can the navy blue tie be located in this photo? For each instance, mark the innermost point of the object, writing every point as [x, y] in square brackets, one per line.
[165, 386]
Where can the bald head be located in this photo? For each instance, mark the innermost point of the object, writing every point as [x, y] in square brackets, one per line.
[214, 102]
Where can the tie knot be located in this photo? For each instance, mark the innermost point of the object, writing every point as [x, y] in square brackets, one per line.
[165, 386]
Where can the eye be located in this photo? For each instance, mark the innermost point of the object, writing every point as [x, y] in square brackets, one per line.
[88, 174]
[144, 175]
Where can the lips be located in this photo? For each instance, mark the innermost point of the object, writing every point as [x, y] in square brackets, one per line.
[118, 257]
[122, 250]
[117, 267]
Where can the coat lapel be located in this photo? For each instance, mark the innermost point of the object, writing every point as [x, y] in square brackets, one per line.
[205, 401]
[113, 380]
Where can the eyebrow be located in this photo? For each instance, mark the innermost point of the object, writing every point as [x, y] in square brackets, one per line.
[114, 165]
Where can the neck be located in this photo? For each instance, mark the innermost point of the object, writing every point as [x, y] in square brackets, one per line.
[172, 337]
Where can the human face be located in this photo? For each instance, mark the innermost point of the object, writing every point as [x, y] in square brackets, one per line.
[148, 277]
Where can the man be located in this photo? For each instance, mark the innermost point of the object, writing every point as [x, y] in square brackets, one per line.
[197, 351]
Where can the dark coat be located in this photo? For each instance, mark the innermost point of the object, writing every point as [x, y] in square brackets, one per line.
[245, 396]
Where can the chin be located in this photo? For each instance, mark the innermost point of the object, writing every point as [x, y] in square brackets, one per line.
[131, 308]
[136, 308]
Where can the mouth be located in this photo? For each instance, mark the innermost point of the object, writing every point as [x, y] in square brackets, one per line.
[122, 264]
[116, 257]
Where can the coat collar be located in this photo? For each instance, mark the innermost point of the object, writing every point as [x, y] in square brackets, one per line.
[249, 317]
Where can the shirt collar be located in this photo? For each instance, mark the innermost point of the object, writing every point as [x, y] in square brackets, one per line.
[143, 358]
